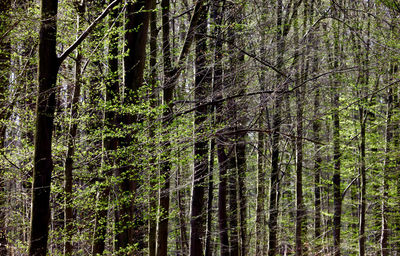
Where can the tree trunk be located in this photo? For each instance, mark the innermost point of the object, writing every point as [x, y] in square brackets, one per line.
[110, 142]
[208, 245]
[5, 61]
[242, 168]
[162, 237]
[217, 14]
[202, 84]
[153, 83]
[275, 138]
[45, 105]
[73, 126]
[386, 171]
[130, 219]
[233, 204]
[316, 131]
[171, 76]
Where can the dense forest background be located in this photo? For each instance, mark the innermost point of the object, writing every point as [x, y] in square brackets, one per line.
[199, 127]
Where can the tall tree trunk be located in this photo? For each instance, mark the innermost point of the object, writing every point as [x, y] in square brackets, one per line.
[218, 9]
[316, 131]
[202, 84]
[45, 105]
[242, 168]
[337, 195]
[260, 215]
[386, 172]
[110, 142]
[275, 138]
[208, 245]
[171, 76]
[233, 204]
[301, 75]
[130, 218]
[162, 237]
[5, 61]
[73, 126]
[153, 82]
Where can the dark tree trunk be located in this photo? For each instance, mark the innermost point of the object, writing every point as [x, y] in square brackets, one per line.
[171, 75]
[316, 127]
[386, 171]
[162, 237]
[43, 164]
[208, 245]
[275, 138]
[242, 168]
[202, 84]
[337, 195]
[300, 211]
[233, 204]
[222, 200]
[183, 240]
[153, 83]
[217, 13]
[129, 215]
[5, 59]
[73, 126]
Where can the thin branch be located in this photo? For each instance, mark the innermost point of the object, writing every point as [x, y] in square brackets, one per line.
[82, 37]
[348, 186]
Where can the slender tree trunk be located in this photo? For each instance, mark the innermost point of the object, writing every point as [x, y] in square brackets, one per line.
[110, 142]
[221, 154]
[45, 105]
[222, 200]
[300, 212]
[363, 184]
[316, 127]
[208, 245]
[73, 126]
[275, 138]
[183, 241]
[337, 195]
[242, 168]
[301, 75]
[233, 205]
[162, 237]
[153, 82]
[386, 171]
[171, 76]
[260, 215]
[5, 61]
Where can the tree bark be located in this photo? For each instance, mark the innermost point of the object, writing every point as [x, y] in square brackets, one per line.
[162, 236]
[152, 233]
[5, 61]
[337, 196]
[45, 106]
[129, 215]
[73, 126]
[202, 81]
[275, 138]
[208, 245]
